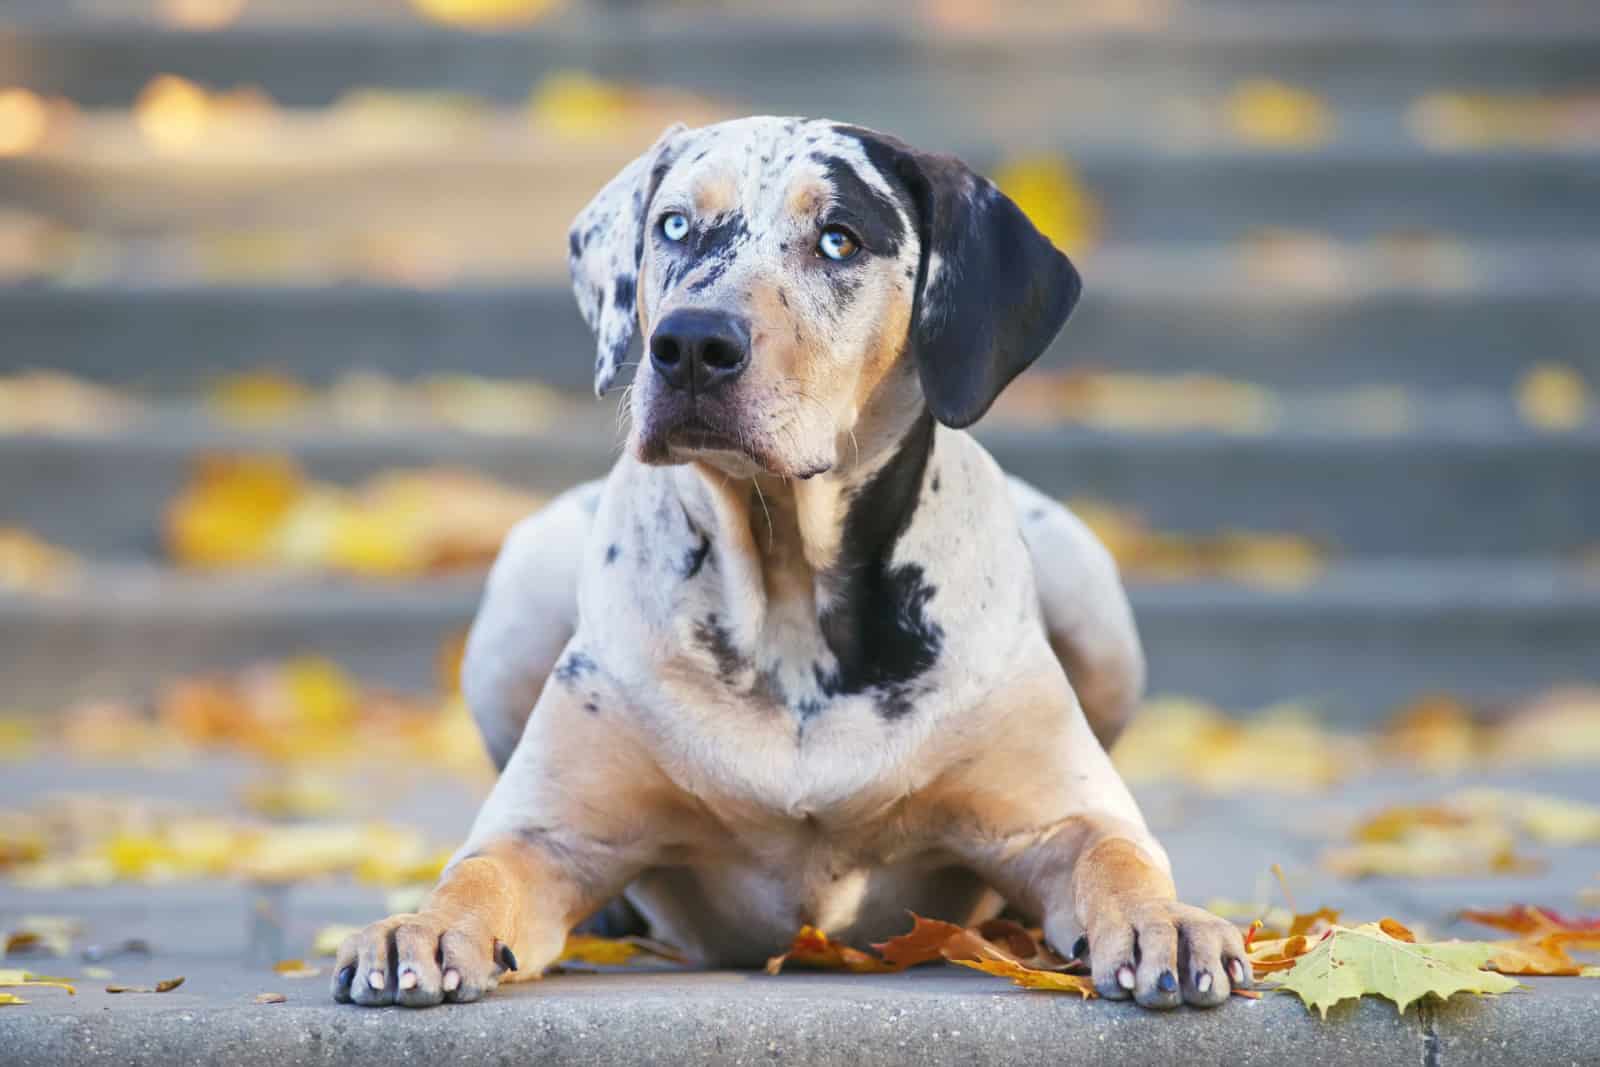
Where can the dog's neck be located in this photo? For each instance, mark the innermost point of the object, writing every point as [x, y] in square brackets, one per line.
[820, 545]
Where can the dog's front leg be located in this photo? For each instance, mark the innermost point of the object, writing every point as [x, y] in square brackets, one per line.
[581, 808]
[505, 908]
[1043, 816]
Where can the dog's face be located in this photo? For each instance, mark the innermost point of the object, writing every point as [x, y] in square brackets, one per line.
[786, 275]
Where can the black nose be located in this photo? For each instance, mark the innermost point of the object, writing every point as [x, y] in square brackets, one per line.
[699, 350]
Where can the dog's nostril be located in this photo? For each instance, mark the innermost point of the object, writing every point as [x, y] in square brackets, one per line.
[665, 350]
[721, 355]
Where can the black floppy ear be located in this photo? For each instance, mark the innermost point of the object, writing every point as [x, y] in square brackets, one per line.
[992, 291]
[604, 249]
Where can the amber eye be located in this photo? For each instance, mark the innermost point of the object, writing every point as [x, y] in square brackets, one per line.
[838, 244]
[675, 226]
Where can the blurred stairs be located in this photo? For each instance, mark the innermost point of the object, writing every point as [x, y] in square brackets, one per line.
[1459, 537]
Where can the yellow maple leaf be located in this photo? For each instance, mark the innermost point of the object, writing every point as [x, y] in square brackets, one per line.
[1363, 960]
[1028, 978]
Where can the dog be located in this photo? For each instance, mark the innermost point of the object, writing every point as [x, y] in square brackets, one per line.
[806, 655]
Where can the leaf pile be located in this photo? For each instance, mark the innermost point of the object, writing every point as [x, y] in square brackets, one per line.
[1468, 833]
[300, 715]
[262, 512]
[1287, 748]
[99, 840]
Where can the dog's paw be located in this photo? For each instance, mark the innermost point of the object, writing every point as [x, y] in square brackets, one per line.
[419, 960]
[1163, 953]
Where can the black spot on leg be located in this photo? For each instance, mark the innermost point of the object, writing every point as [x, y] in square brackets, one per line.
[574, 244]
[783, 297]
[612, 552]
[591, 707]
[933, 486]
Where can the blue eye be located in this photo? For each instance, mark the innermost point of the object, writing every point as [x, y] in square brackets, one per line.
[675, 226]
[838, 244]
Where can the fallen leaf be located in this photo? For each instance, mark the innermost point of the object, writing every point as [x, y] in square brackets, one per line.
[10, 978]
[166, 986]
[600, 951]
[11, 998]
[1363, 960]
[1553, 397]
[270, 998]
[295, 969]
[1589, 972]
[813, 948]
[1028, 978]
[923, 943]
[1544, 956]
[42, 933]
[1273, 114]
[1397, 931]
[1529, 921]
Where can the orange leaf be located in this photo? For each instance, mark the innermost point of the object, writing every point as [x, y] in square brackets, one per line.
[1546, 956]
[1307, 923]
[813, 948]
[1397, 931]
[924, 942]
[1028, 978]
[1527, 919]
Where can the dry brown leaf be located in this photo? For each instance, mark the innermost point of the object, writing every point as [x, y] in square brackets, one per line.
[270, 998]
[813, 948]
[165, 986]
[599, 951]
[1028, 978]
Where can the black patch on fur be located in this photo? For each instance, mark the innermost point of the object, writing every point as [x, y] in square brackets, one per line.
[591, 707]
[873, 216]
[877, 625]
[612, 552]
[574, 244]
[697, 557]
[572, 669]
[711, 635]
[933, 486]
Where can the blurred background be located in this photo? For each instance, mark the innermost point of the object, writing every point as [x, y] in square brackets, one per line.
[286, 345]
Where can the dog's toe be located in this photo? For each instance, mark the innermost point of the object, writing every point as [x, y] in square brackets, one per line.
[417, 961]
[1162, 954]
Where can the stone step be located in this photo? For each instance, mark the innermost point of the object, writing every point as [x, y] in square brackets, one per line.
[789, 64]
[1148, 311]
[526, 188]
[1358, 494]
[1362, 639]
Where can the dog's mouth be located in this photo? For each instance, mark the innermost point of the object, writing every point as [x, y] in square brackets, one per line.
[695, 434]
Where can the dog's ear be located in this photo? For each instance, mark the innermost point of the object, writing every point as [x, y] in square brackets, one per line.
[992, 291]
[605, 247]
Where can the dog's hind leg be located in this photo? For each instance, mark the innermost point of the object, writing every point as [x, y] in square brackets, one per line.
[529, 613]
[1086, 611]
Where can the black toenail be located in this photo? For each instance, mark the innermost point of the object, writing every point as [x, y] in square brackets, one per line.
[1167, 983]
[1080, 948]
[507, 958]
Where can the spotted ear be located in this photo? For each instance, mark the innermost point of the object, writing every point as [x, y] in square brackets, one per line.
[605, 247]
[992, 291]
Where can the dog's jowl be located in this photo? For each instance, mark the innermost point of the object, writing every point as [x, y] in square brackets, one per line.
[806, 655]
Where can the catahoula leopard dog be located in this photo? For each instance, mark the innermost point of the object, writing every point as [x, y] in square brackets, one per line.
[807, 655]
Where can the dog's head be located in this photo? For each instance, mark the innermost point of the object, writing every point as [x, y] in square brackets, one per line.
[787, 275]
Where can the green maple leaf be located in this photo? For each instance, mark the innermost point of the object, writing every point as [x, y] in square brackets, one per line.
[1352, 962]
